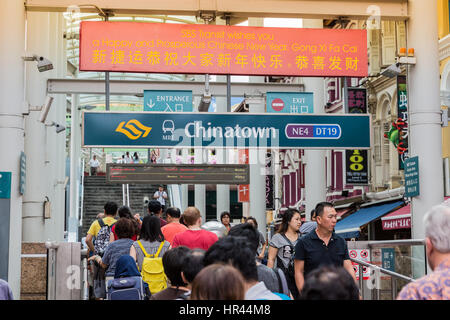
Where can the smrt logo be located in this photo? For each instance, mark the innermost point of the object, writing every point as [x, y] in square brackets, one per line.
[133, 129]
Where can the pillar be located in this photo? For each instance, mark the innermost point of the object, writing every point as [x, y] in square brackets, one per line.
[315, 178]
[12, 33]
[425, 136]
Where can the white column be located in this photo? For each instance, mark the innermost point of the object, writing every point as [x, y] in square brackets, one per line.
[56, 142]
[75, 155]
[315, 179]
[12, 33]
[184, 187]
[222, 190]
[425, 140]
[257, 160]
[200, 189]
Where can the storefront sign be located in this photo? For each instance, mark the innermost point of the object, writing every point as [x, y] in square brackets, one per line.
[402, 121]
[398, 223]
[214, 49]
[356, 167]
[412, 186]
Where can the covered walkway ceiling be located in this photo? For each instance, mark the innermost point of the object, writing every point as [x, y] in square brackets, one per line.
[308, 9]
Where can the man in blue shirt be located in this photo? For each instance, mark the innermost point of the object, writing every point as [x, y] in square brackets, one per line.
[321, 246]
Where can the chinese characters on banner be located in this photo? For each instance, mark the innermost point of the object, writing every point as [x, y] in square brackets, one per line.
[356, 161]
[243, 189]
[200, 49]
[402, 121]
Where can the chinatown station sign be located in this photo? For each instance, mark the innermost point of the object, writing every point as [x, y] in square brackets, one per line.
[211, 49]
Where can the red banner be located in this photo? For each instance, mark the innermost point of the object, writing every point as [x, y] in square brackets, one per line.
[201, 49]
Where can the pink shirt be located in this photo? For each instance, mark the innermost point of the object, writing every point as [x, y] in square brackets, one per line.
[435, 286]
[192, 239]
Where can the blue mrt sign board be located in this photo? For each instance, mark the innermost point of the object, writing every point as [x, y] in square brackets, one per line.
[213, 130]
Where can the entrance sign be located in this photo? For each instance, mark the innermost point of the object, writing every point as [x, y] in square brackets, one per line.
[177, 173]
[228, 130]
[210, 49]
[290, 102]
[168, 100]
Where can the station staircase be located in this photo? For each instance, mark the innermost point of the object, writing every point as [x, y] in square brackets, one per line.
[96, 192]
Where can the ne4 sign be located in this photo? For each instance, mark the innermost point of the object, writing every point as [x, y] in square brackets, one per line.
[211, 49]
[213, 130]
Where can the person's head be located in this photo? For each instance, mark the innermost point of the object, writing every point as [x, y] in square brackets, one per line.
[192, 265]
[291, 221]
[125, 212]
[151, 229]
[128, 154]
[94, 157]
[225, 218]
[247, 231]
[161, 188]
[192, 217]
[154, 207]
[124, 228]
[329, 283]
[252, 221]
[110, 208]
[313, 215]
[173, 214]
[437, 234]
[218, 282]
[173, 261]
[326, 216]
[237, 251]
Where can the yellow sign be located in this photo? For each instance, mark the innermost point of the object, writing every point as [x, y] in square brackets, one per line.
[133, 131]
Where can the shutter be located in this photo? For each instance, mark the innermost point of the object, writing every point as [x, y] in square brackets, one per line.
[401, 34]
[374, 50]
[388, 44]
[377, 143]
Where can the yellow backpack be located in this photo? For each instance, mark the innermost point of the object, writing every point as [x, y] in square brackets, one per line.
[153, 270]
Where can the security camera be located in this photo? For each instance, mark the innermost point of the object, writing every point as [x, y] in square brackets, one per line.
[59, 128]
[46, 108]
[43, 64]
[391, 71]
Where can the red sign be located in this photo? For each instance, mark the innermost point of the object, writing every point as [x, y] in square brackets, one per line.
[277, 104]
[200, 49]
[243, 189]
[399, 223]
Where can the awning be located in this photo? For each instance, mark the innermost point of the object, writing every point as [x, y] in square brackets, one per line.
[350, 226]
[399, 219]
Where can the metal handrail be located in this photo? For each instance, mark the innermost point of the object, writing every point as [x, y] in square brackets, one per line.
[378, 270]
[390, 243]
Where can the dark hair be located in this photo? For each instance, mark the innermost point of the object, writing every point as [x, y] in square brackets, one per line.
[173, 212]
[321, 206]
[154, 206]
[252, 219]
[151, 229]
[248, 231]
[125, 212]
[234, 250]
[173, 261]
[287, 217]
[218, 282]
[193, 263]
[330, 283]
[110, 208]
[124, 228]
[223, 214]
[313, 213]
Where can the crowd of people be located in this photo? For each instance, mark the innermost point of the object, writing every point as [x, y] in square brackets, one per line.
[303, 261]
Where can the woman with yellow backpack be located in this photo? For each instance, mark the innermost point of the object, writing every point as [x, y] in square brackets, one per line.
[148, 252]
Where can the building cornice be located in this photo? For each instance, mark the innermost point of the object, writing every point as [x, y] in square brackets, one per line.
[444, 48]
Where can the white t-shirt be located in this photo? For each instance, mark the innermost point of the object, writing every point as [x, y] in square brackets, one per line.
[94, 163]
[161, 196]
